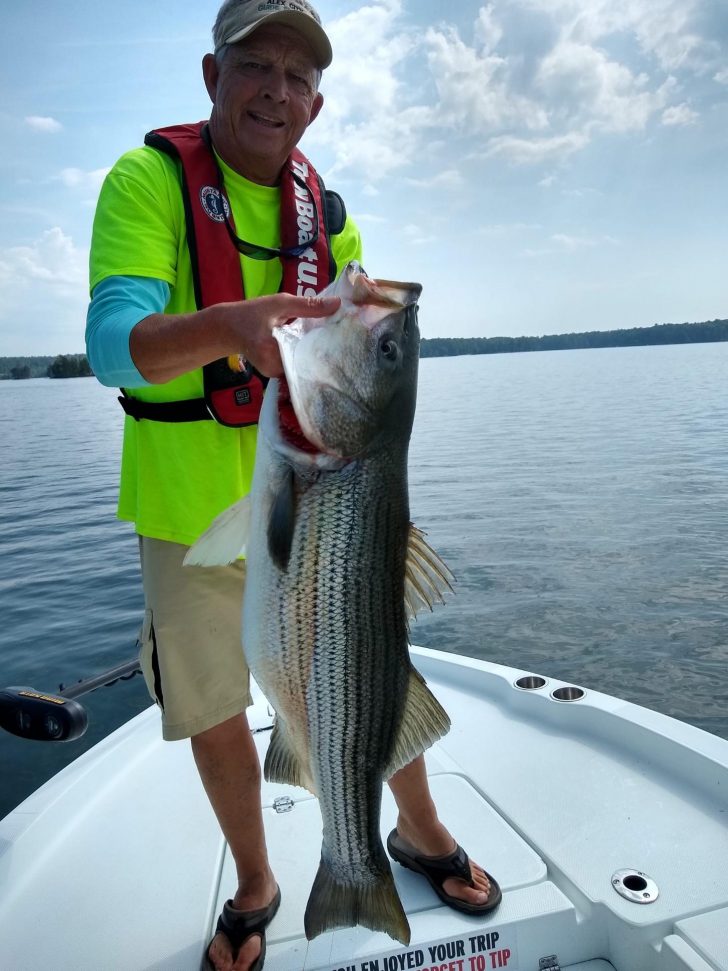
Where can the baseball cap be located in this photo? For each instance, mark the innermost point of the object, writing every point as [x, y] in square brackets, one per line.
[239, 18]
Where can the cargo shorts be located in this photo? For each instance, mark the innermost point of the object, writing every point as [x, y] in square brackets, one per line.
[191, 650]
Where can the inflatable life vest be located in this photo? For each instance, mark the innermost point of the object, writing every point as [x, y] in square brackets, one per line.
[310, 215]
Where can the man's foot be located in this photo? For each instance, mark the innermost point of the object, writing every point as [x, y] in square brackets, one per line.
[457, 880]
[239, 941]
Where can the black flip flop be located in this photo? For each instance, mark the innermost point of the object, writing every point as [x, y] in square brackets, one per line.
[239, 925]
[438, 869]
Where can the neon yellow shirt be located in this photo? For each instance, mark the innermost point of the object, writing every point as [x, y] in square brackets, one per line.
[175, 478]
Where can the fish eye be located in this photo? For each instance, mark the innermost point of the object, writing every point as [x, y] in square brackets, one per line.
[388, 349]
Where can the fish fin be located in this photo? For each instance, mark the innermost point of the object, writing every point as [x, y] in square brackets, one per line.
[427, 578]
[424, 721]
[225, 539]
[337, 903]
[281, 522]
[281, 762]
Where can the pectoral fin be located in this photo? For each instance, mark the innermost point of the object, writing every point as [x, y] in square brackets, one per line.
[427, 579]
[225, 539]
[424, 722]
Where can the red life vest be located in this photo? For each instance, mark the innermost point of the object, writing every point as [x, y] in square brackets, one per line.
[233, 388]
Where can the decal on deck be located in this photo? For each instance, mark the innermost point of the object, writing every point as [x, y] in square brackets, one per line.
[486, 951]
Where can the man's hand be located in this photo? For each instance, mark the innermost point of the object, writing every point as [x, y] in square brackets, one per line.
[252, 322]
[164, 346]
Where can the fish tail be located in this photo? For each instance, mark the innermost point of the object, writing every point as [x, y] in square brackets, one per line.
[335, 903]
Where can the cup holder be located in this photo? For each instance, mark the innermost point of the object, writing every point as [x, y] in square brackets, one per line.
[568, 693]
[530, 682]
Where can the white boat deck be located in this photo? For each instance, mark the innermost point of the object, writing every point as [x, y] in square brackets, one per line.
[117, 862]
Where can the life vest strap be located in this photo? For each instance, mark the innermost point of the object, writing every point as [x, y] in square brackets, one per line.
[194, 409]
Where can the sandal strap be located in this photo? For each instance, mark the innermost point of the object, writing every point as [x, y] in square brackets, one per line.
[441, 868]
[239, 925]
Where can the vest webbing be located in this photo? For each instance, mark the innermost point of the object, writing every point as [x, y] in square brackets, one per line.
[234, 396]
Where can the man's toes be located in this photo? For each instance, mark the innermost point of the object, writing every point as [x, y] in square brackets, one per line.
[219, 954]
[248, 953]
[462, 891]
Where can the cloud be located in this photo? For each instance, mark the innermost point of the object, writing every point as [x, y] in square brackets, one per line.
[475, 89]
[52, 261]
[74, 178]
[591, 88]
[449, 178]
[679, 115]
[43, 295]
[666, 30]
[42, 123]
[416, 235]
[534, 151]
[487, 89]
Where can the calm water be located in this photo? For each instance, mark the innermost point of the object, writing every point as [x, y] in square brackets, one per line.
[578, 496]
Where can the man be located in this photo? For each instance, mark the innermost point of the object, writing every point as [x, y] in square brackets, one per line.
[165, 303]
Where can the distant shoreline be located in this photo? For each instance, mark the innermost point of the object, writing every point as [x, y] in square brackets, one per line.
[709, 331]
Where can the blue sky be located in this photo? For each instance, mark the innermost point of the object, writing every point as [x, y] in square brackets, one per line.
[540, 166]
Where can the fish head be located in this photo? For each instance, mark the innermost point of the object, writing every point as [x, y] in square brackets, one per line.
[352, 377]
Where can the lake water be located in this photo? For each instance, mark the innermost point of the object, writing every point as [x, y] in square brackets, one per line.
[578, 496]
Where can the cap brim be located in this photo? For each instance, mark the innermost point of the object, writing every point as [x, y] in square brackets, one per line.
[304, 25]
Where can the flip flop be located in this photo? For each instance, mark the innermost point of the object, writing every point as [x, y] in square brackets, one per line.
[239, 925]
[438, 869]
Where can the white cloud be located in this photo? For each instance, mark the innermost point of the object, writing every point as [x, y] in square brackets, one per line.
[78, 178]
[488, 32]
[679, 115]
[476, 93]
[503, 230]
[52, 261]
[589, 86]
[534, 151]
[573, 242]
[449, 179]
[416, 235]
[43, 123]
[43, 295]
[601, 67]
[664, 29]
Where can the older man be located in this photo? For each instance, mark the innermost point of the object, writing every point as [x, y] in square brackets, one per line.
[197, 254]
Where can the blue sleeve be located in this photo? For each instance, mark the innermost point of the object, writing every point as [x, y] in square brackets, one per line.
[118, 303]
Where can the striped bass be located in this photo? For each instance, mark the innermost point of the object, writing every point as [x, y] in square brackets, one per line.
[334, 569]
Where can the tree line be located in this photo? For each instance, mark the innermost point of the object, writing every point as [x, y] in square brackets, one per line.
[62, 366]
[706, 332]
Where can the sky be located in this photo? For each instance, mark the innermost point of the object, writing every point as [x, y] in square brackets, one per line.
[539, 166]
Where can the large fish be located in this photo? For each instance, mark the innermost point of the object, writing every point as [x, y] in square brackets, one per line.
[334, 570]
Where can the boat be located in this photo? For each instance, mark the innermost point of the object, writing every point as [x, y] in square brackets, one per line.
[605, 823]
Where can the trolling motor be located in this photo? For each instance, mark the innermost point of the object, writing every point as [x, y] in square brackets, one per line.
[47, 717]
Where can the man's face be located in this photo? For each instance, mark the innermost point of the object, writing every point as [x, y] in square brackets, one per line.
[264, 96]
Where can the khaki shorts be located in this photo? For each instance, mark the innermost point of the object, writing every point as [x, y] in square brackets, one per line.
[191, 653]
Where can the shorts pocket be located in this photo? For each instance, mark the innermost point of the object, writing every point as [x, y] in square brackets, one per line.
[149, 659]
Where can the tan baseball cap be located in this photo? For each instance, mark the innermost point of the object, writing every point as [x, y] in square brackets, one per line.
[239, 18]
